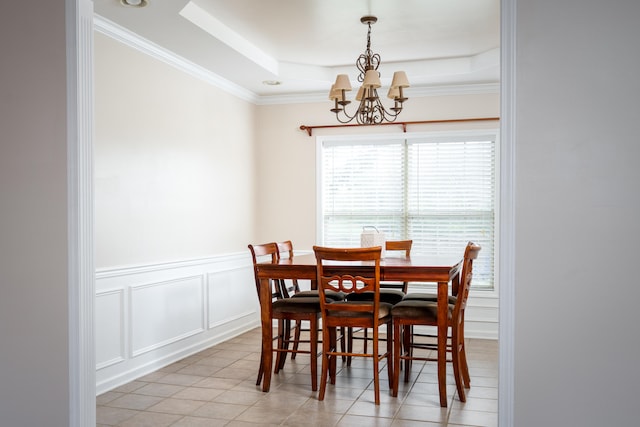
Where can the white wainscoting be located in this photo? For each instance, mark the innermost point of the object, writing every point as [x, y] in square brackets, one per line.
[481, 316]
[150, 316]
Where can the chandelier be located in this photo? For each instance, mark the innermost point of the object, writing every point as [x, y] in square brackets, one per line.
[370, 110]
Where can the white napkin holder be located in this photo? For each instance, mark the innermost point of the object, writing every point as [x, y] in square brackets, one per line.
[371, 236]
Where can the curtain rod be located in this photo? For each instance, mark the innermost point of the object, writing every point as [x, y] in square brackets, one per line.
[310, 129]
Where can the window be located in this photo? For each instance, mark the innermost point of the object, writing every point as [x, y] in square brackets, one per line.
[437, 189]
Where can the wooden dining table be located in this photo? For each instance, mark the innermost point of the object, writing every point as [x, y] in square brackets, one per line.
[416, 268]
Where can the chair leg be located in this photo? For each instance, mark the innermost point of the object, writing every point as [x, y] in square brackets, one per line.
[349, 344]
[466, 378]
[390, 368]
[333, 358]
[455, 358]
[284, 337]
[326, 347]
[442, 366]
[376, 373]
[286, 340]
[313, 343]
[366, 338]
[279, 345]
[296, 339]
[407, 337]
[259, 379]
[397, 354]
[463, 356]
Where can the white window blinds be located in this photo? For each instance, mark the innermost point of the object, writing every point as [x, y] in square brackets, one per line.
[440, 192]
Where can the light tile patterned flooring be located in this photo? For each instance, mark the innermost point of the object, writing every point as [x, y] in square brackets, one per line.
[216, 387]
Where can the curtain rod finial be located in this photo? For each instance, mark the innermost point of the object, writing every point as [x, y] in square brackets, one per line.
[309, 129]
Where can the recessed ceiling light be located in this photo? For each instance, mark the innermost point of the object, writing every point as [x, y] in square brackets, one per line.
[134, 3]
[271, 82]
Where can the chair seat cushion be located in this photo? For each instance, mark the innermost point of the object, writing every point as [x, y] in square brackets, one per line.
[296, 305]
[418, 309]
[427, 297]
[330, 295]
[391, 296]
[383, 311]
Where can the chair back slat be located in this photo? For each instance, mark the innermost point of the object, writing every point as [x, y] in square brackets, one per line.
[398, 246]
[466, 274]
[348, 270]
[349, 284]
[266, 252]
[287, 287]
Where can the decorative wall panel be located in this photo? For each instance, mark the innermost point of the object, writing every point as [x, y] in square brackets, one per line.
[150, 316]
[165, 312]
[109, 315]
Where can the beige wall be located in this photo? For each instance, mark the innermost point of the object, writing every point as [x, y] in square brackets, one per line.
[184, 170]
[174, 175]
[286, 168]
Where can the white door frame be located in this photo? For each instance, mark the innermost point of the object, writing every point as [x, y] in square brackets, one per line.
[507, 212]
[81, 227]
[80, 213]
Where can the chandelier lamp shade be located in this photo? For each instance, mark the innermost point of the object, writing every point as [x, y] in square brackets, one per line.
[370, 110]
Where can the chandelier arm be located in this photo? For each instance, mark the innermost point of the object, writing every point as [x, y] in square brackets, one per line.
[347, 117]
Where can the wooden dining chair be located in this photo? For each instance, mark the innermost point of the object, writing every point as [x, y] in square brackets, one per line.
[433, 296]
[402, 248]
[291, 289]
[285, 310]
[357, 271]
[413, 312]
[390, 292]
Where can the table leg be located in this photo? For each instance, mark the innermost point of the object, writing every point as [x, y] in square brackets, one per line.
[443, 308]
[267, 333]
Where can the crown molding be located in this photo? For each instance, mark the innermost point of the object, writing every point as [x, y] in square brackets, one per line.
[133, 40]
[415, 92]
[461, 89]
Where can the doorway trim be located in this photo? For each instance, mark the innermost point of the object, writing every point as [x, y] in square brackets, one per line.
[79, 28]
[507, 247]
[80, 213]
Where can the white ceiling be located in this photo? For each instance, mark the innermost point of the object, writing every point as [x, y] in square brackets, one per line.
[304, 43]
